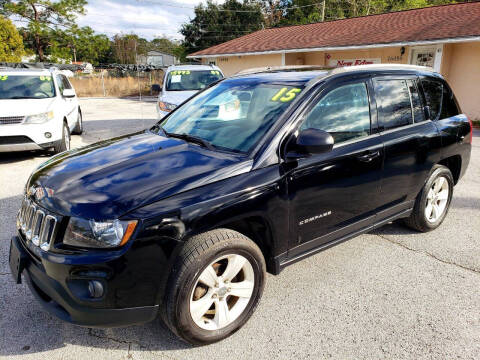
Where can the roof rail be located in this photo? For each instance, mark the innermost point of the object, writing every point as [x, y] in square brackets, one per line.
[187, 63]
[345, 69]
[282, 68]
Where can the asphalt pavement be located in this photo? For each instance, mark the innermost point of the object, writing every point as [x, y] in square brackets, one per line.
[389, 294]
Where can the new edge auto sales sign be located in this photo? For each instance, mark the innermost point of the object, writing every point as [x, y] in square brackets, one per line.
[351, 62]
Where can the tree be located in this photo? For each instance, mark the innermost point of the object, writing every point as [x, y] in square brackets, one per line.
[126, 48]
[87, 46]
[43, 17]
[214, 24]
[11, 44]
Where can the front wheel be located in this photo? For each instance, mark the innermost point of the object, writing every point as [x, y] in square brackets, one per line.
[214, 287]
[433, 202]
[64, 143]
[78, 129]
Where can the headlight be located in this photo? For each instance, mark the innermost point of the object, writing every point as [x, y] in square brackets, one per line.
[164, 106]
[39, 118]
[98, 234]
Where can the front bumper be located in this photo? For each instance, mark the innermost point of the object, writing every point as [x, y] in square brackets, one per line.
[21, 137]
[60, 298]
[21, 143]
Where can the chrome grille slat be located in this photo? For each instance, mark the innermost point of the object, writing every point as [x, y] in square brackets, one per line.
[7, 120]
[37, 225]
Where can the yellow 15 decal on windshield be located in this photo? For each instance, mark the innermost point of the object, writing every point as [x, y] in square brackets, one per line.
[3, 77]
[285, 95]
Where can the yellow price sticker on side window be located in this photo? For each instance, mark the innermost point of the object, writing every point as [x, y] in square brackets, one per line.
[3, 77]
[285, 95]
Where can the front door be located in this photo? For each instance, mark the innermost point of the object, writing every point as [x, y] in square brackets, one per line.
[336, 193]
[69, 105]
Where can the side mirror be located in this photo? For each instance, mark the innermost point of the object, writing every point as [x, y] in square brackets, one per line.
[156, 89]
[427, 112]
[311, 141]
[68, 93]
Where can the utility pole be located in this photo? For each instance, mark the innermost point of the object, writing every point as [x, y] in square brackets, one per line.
[323, 11]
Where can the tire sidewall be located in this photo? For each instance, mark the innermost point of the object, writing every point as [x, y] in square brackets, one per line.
[79, 122]
[438, 172]
[185, 324]
[66, 134]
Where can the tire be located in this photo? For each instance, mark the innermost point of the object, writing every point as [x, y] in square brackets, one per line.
[213, 251]
[64, 143]
[418, 219]
[78, 129]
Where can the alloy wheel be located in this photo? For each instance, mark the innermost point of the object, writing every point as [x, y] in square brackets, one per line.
[67, 137]
[222, 292]
[437, 199]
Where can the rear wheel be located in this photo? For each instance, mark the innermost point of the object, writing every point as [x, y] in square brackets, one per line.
[64, 143]
[78, 129]
[433, 202]
[214, 287]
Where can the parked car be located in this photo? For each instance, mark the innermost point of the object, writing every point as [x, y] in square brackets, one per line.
[182, 82]
[38, 110]
[251, 175]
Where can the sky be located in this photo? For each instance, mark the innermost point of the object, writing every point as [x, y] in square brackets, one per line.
[147, 18]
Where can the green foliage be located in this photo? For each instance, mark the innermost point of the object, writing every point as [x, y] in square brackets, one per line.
[214, 24]
[44, 18]
[295, 12]
[11, 44]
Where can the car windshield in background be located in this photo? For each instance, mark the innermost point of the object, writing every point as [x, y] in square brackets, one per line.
[234, 114]
[190, 80]
[26, 87]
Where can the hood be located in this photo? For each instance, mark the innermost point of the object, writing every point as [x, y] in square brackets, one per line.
[108, 179]
[176, 97]
[23, 107]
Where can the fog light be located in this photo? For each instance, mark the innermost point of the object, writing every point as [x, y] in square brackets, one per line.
[95, 288]
[48, 135]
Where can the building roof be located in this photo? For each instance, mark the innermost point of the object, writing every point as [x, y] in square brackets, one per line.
[456, 21]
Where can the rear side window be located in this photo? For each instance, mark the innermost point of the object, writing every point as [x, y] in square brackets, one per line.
[393, 101]
[418, 114]
[440, 99]
[344, 113]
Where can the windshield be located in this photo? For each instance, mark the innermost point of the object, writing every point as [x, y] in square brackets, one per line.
[234, 114]
[26, 87]
[189, 80]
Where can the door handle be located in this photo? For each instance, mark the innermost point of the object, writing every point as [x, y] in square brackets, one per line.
[369, 156]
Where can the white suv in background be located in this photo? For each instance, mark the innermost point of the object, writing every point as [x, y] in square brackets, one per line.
[38, 110]
[183, 81]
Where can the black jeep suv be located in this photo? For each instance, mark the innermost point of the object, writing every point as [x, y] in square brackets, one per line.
[252, 174]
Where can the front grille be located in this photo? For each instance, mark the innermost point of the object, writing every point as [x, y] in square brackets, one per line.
[11, 140]
[7, 120]
[37, 225]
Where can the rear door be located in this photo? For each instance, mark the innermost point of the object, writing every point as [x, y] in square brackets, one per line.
[336, 193]
[410, 142]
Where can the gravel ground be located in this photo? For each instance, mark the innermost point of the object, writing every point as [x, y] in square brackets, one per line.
[392, 294]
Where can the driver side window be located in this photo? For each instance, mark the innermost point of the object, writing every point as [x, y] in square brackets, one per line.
[60, 84]
[344, 113]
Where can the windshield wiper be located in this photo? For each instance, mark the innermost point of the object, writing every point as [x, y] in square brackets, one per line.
[25, 97]
[193, 139]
